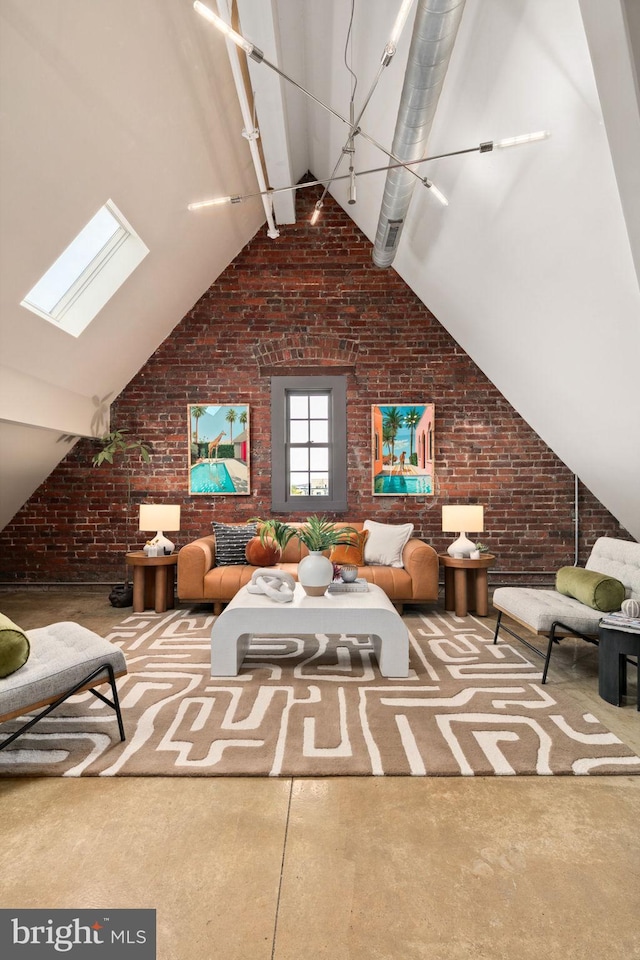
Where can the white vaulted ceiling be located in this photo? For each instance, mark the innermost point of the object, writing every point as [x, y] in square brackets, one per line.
[533, 267]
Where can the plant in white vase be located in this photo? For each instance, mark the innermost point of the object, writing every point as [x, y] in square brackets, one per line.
[318, 534]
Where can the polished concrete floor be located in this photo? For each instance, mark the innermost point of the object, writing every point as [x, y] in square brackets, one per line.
[337, 869]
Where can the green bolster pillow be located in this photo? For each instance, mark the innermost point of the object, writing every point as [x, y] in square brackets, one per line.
[594, 589]
[14, 647]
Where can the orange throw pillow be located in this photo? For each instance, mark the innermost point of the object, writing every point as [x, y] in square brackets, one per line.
[351, 552]
[260, 554]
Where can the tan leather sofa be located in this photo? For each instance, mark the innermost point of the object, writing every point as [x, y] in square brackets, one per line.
[200, 580]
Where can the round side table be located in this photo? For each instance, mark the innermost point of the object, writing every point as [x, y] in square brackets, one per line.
[465, 583]
[153, 581]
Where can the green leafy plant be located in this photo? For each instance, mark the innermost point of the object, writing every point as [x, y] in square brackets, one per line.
[317, 533]
[482, 547]
[116, 442]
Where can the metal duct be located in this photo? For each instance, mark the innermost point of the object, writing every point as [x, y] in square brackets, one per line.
[434, 33]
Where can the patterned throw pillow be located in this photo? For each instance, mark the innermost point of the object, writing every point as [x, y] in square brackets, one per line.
[352, 552]
[231, 542]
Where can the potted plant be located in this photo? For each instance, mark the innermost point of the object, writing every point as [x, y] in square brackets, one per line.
[318, 534]
[479, 549]
[114, 444]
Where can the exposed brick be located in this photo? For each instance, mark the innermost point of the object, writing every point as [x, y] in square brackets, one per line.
[313, 297]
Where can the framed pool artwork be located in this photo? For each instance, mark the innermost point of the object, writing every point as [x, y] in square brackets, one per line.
[219, 449]
[402, 449]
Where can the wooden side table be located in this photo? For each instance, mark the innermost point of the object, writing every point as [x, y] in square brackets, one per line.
[465, 583]
[153, 581]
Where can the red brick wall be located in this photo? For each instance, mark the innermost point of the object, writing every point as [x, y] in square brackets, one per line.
[310, 298]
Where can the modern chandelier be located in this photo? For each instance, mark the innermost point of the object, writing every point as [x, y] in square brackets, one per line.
[257, 55]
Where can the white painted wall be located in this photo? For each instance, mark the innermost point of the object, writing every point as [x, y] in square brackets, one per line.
[530, 266]
[130, 101]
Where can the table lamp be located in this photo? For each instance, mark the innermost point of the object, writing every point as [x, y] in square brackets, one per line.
[462, 517]
[159, 517]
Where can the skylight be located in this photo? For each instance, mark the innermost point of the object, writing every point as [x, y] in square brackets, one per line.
[87, 274]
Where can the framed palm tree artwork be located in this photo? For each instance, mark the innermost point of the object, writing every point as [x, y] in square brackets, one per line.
[402, 449]
[219, 449]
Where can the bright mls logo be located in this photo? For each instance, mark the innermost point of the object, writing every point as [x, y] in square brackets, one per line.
[105, 934]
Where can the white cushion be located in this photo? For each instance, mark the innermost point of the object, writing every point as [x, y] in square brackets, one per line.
[385, 542]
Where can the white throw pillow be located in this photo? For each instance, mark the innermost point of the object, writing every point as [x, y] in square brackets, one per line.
[385, 542]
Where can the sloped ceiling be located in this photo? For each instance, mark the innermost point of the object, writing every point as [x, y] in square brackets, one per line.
[532, 267]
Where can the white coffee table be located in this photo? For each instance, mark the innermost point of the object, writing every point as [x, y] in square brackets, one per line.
[369, 614]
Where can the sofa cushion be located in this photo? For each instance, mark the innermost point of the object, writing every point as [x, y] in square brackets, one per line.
[14, 647]
[231, 542]
[261, 554]
[385, 542]
[595, 589]
[351, 552]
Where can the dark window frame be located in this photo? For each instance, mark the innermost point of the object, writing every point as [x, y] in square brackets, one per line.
[336, 388]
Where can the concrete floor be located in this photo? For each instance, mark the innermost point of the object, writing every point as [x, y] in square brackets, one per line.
[342, 869]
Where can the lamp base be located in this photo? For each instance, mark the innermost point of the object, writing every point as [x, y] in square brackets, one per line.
[461, 547]
[159, 546]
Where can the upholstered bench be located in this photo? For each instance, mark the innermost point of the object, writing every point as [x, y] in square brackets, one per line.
[555, 615]
[59, 661]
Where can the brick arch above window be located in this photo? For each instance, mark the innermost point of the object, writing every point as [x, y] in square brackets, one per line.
[303, 354]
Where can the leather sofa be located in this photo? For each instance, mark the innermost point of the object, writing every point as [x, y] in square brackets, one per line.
[200, 580]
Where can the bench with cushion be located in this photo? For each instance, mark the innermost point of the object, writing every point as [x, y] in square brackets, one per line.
[42, 668]
[556, 614]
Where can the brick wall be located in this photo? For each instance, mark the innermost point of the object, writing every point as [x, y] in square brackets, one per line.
[308, 299]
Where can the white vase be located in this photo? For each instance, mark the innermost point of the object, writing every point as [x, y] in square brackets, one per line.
[315, 573]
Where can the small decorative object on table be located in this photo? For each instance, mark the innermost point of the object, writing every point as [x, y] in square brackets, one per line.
[478, 550]
[631, 608]
[348, 572]
[360, 585]
[275, 584]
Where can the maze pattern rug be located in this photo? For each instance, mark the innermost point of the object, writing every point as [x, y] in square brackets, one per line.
[317, 706]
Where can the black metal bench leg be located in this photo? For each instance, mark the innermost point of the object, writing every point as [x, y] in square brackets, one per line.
[552, 640]
[495, 636]
[82, 684]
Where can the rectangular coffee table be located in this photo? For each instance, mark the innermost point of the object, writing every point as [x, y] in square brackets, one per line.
[369, 614]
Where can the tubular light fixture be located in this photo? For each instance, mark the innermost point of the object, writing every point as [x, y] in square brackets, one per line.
[316, 212]
[486, 147]
[437, 193]
[249, 48]
[518, 141]
[256, 54]
[387, 56]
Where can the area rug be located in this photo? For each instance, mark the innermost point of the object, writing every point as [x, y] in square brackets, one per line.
[317, 706]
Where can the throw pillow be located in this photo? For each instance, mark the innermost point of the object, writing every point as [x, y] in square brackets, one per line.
[231, 542]
[594, 589]
[260, 554]
[351, 552]
[14, 647]
[385, 542]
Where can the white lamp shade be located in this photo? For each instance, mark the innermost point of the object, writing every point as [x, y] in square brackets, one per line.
[463, 516]
[460, 518]
[159, 516]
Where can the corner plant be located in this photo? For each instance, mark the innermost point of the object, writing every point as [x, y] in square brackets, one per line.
[317, 533]
[116, 442]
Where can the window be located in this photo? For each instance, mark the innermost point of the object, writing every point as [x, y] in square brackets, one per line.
[87, 274]
[308, 444]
